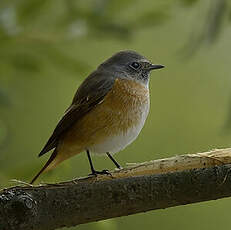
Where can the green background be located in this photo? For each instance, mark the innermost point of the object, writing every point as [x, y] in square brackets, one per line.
[48, 47]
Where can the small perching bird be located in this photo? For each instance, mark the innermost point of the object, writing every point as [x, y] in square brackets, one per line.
[107, 113]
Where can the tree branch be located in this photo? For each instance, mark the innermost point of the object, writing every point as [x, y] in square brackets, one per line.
[142, 187]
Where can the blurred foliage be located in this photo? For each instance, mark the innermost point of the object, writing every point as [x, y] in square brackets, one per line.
[48, 47]
[30, 26]
[209, 30]
[31, 31]
[4, 98]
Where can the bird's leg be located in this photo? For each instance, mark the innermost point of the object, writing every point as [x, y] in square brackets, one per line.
[114, 161]
[93, 171]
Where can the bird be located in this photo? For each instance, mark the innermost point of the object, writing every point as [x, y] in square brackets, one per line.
[107, 112]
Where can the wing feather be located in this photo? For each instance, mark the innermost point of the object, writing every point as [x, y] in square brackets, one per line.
[90, 93]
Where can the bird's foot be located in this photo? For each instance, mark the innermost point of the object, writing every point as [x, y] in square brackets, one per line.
[103, 172]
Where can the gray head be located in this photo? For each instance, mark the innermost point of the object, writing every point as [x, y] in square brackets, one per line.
[129, 65]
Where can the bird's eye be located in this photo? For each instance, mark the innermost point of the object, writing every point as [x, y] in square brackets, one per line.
[135, 65]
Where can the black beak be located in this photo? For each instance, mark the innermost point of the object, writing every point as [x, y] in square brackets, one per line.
[152, 66]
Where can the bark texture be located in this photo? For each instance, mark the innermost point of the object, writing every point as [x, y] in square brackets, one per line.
[90, 199]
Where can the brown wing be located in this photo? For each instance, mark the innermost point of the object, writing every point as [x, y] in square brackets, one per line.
[91, 92]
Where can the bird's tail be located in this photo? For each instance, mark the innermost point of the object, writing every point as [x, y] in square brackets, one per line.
[52, 157]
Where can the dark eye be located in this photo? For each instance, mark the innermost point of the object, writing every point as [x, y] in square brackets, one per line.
[135, 65]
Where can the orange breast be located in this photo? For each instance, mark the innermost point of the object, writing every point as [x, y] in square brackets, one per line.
[120, 110]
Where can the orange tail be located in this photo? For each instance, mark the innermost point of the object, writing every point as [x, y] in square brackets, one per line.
[52, 157]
